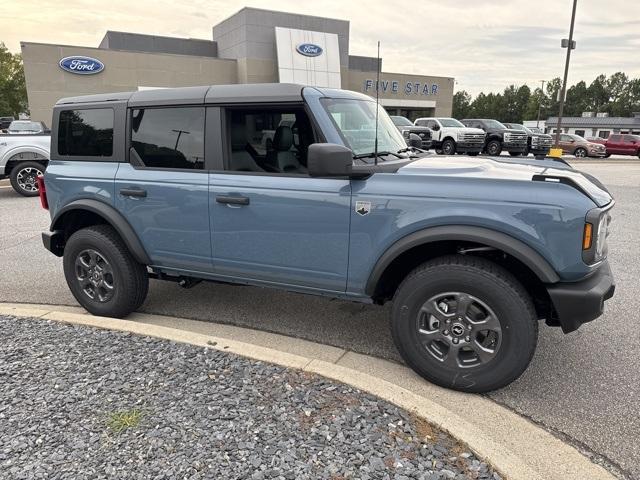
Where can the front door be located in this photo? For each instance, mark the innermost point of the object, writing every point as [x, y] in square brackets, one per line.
[164, 189]
[270, 221]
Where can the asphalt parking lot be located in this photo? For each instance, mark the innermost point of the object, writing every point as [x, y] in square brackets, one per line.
[584, 386]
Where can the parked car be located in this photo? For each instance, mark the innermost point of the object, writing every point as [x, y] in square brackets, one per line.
[26, 127]
[498, 137]
[472, 251]
[22, 159]
[450, 136]
[622, 144]
[406, 127]
[579, 147]
[537, 143]
[5, 122]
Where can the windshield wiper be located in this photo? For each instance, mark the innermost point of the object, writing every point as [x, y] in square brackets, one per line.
[373, 154]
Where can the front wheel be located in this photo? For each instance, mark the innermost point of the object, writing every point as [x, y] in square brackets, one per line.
[24, 177]
[494, 148]
[101, 273]
[449, 147]
[580, 153]
[464, 323]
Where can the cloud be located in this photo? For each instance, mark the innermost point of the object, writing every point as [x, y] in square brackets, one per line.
[485, 44]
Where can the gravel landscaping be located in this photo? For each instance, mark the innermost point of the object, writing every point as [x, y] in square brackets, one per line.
[77, 402]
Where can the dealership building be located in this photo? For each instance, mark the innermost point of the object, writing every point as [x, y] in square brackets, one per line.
[251, 46]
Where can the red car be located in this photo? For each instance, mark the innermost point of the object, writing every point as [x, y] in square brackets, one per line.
[618, 144]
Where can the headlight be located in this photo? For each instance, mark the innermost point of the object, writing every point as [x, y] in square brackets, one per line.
[594, 239]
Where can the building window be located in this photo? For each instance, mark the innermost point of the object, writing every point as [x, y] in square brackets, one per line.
[86, 132]
[169, 137]
[580, 133]
[604, 133]
[271, 139]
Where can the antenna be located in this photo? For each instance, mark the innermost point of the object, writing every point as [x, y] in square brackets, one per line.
[375, 148]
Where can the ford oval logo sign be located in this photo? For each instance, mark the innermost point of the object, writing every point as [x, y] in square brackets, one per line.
[309, 50]
[81, 65]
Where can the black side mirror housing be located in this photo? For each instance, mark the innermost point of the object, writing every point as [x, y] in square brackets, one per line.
[435, 128]
[329, 160]
[414, 141]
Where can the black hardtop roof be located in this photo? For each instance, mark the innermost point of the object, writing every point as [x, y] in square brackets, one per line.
[240, 93]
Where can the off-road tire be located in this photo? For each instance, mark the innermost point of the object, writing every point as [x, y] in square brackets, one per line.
[130, 278]
[449, 147]
[485, 281]
[494, 148]
[21, 168]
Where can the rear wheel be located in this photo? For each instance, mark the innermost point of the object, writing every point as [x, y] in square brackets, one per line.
[24, 178]
[464, 323]
[580, 152]
[101, 273]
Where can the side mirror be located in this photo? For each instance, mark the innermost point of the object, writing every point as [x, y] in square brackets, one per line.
[435, 128]
[329, 160]
[414, 141]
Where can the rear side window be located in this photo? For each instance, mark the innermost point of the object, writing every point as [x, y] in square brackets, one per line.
[86, 132]
[169, 137]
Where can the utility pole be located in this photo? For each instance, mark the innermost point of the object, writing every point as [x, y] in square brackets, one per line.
[563, 92]
[179, 132]
[540, 104]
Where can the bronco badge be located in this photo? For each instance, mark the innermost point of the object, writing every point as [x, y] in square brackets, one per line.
[363, 208]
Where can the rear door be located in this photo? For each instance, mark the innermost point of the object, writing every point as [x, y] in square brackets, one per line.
[630, 144]
[271, 222]
[163, 189]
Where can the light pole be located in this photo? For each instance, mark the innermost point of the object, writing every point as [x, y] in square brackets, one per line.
[570, 45]
[540, 104]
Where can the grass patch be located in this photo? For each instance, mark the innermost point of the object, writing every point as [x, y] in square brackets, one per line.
[118, 422]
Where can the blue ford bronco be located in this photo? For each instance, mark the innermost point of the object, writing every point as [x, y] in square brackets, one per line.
[279, 185]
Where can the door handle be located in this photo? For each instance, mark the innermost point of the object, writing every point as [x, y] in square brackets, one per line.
[133, 192]
[232, 200]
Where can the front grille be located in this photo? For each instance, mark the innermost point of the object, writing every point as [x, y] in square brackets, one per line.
[472, 138]
[542, 142]
[517, 138]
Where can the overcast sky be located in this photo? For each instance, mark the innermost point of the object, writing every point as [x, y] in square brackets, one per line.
[485, 44]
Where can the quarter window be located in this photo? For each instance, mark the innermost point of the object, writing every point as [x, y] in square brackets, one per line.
[86, 132]
[169, 137]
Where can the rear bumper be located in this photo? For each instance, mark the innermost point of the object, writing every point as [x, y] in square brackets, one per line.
[54, 242]
[581, 302]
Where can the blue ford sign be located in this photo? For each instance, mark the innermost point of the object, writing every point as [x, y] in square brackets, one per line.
[81, 65]
[309, 50]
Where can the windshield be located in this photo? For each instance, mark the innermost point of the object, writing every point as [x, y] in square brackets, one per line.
[25, 127]
[401, 121]
[356, 121]
[535, 130]
[450, 122]
[493, 124]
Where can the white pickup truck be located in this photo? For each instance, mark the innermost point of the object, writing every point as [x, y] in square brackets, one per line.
[22, 159]
[451, 137]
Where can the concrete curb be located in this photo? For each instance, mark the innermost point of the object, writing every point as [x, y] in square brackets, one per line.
[514, 446]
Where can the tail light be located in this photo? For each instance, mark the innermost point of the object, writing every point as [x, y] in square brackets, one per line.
[42, 191]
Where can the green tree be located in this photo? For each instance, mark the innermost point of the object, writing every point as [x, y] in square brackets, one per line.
[13, 91]
[461, 104]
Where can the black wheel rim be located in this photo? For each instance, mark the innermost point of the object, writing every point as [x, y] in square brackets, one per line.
[447, 148]
[459, 330]
[27, 179]
[94, 275]
[493, 149]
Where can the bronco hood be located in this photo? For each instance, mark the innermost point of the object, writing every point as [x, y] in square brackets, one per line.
[506, 169]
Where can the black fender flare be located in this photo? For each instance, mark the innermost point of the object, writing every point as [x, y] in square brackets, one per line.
[113, 218]
[492, 238]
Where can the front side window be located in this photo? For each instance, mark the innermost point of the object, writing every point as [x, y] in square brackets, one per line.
[356, 121]
[169, 137]
[86, 132]
[269, 139]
